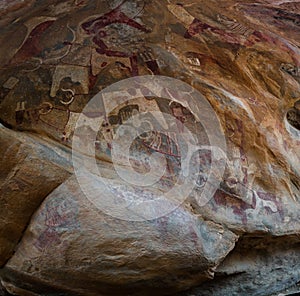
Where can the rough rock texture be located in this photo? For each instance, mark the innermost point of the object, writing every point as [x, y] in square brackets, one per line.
[29, 171]
[242, 56]
[113, 256]
[258, 266]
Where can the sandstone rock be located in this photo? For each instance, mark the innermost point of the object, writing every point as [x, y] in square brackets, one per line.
[30, 170]
[104, 230]
[258, 266]
[78, 248]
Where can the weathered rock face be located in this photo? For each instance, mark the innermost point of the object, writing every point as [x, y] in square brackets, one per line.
[112, 256]
[30, 170]
[258, 266]
[137, 198]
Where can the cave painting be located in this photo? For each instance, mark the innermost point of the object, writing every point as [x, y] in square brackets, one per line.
[76, 73]
[167, 142]
[195, 26]
[98, 28]
[235, 33]
[261, 204]
[125, 111]
[148, 58]
[25, 115]
[100, 62]
[31, 44]
[234, 26]
[46, 114]
[147, 139]
[145, 105]
[237, 191]
[59, 216]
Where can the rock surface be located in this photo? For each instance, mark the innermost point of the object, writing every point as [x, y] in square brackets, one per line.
[61, 232]
[29, 171]
[76, 246]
